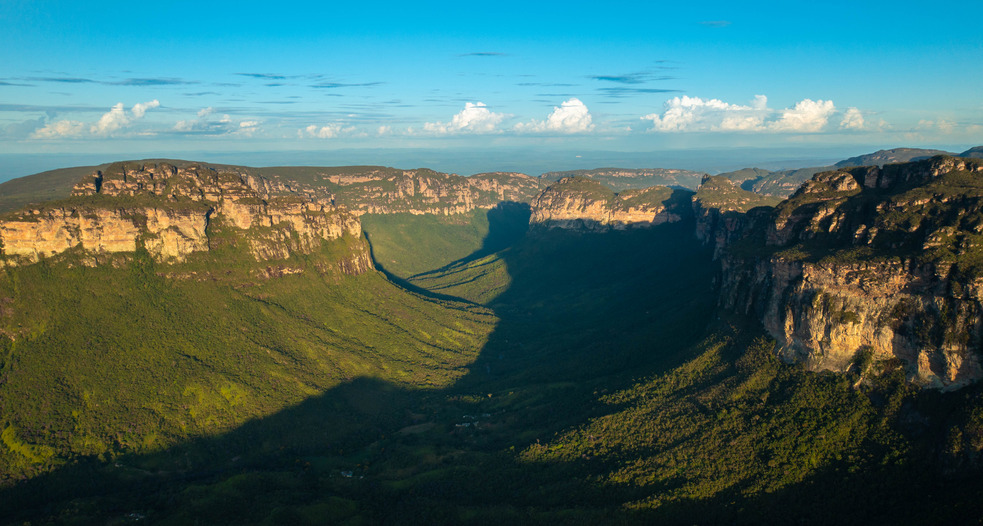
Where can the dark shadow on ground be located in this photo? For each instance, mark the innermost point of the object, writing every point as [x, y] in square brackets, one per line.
[587, 313]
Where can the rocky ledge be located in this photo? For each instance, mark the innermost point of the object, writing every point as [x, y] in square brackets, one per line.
[882, 263]
[583, 204]
[172, 213]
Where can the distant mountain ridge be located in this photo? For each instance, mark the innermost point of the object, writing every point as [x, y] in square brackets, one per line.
[782, 183]
[975, 152]
[894, 155]
[634, 178]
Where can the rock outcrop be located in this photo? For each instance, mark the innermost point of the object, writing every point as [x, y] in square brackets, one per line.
[422, 191]
[620, 179]
[883, 261]
[583, 204]
[171, 212]
[725, 213]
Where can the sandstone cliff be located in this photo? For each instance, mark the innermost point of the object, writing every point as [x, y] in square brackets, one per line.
[381, 190]
[879, 261]
[620, 179]
[725, 213]
[173, 212]
[584, 204]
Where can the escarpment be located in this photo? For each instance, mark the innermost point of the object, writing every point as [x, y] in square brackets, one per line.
[173, 213]
[422, 191]
[725, 213]
[619, 179]
[867, 261]
[583, 204]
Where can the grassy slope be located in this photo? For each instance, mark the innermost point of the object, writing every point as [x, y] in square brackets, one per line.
[595, 400]
[406, 244]
[606, 393]
[719, 192]
[145, 361]
[37, 188]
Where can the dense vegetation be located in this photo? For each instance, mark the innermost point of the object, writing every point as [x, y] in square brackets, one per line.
[596, 383]
[720, 193]
[118, 358]
[938, 221]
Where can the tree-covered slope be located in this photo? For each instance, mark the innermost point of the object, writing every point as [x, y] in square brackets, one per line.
[598, 383]
[595, 400]
[115, 359]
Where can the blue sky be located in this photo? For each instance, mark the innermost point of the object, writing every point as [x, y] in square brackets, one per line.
[550, 79]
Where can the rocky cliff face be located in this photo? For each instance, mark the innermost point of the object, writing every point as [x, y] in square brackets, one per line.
[172, 212]
[168, 233]
[886, 262]
[389, 191]
[725, 213]
[620, 179]
[583, 204]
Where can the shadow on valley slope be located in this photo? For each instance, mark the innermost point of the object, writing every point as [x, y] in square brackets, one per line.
[583, 316]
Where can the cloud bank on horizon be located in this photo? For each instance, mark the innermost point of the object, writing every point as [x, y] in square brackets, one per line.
[556, 78]
[691, 114]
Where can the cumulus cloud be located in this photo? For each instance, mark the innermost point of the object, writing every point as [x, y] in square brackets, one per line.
[59, 129]
[572, 116]
[474, 118]
[326, 132]
[111, 121]
[695, 114]
[689, 114]
[852, 119]
[806, 116]
[117, 117]
[140, 108]
[205, 124]
[940, 125]
[22, 129]
[194, 124]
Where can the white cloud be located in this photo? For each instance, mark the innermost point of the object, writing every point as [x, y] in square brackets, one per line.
[689, 114]
[852, 119]
[205, 124]
[941, 125]
[59, 129]
[117, 117]
[572, 116]
[111, 121]
[806, 116]
[384, 130]
[326, 132]
[696, 114]
[140, 108]
[474, 118]
[197, 124]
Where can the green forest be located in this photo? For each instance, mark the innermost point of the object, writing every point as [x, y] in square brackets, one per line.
[485, 372]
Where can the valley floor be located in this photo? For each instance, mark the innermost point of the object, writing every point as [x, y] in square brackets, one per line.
[577, 379]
